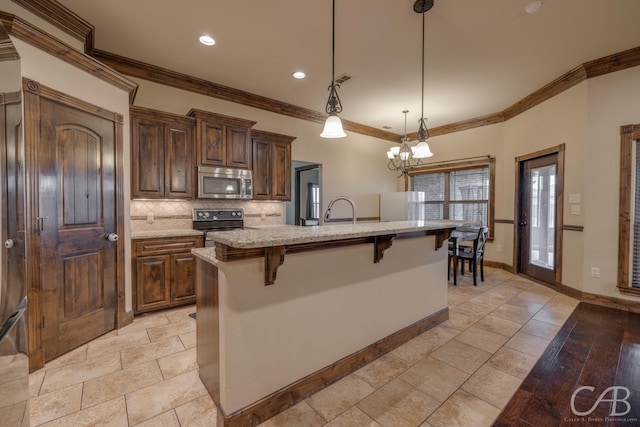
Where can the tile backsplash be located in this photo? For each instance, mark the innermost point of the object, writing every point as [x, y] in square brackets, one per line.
[176, 215]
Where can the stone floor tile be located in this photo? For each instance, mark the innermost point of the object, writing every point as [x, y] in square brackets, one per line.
[472, 309]
[353, 417]
[398, 403]
[151, 351]
[460, 321]
[200, 412]
[382, 370]
[556, 316]
[482, 339]
[49, 406]
[464, 410]
[415, 350]
[110, 386]
[436, 378]
[178, 363]
[155, 399]
[513, 362]
[540, 329]
[514, 314]
[74, 356]
[498, 325]
[166, 419]
[492, 385]
[160, 332]
[35, 382]
[339, 396]
[181, 314]
[440, 334]
[77, 373]
[144, 321]
[298, 415]
[116, 343]
[188, 339]
[528, 344]
[108, 414]
[462, 356]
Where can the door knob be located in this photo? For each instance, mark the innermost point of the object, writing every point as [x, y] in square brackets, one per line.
[112, 237]
[9, 243]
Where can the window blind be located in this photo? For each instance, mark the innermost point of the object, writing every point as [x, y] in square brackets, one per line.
[635, 273]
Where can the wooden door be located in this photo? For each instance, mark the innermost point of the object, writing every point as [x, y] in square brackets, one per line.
[261, 169]
[281, 171]
[77, 212]
[238, 142]
[147, 148]
[12, 189]
[538, 218]
[179, 161]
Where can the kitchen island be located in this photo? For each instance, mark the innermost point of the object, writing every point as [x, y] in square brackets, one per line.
[284, 311]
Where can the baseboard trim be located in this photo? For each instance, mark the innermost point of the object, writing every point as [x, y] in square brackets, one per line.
[288, 396]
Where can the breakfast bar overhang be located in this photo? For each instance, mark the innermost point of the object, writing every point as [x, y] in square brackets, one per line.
[284, 311]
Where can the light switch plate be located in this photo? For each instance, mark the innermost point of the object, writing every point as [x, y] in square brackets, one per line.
[574, 198]
[575, 209]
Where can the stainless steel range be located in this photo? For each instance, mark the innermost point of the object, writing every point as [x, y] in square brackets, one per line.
[223, 219]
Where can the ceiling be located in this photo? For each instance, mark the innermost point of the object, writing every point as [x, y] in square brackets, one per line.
[480, 56]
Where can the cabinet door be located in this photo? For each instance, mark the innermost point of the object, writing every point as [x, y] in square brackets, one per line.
[212, 147]
[147, 158]
[280, 171]
[179, 161]
[152, 282]
[261, 169]
[238, 141]
[183, 279]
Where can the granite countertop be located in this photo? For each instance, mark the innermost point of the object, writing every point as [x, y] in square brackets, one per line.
[207, 254]
[165, 233]
[291, 234]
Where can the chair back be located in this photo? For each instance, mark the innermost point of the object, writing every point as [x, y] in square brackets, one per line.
[483, 235]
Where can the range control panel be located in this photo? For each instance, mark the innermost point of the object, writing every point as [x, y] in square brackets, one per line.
[217, 214]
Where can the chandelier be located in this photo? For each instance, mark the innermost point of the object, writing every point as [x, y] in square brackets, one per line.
[405, 158]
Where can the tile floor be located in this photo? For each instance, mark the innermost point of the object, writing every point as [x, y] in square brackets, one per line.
[462, 372]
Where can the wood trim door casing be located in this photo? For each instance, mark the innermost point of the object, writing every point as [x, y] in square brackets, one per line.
[559, 150]
[628, 134]
[33, 92]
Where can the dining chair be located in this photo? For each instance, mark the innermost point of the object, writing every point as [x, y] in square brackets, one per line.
[475, 255]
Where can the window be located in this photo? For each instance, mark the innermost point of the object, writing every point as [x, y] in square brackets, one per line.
[457, 190]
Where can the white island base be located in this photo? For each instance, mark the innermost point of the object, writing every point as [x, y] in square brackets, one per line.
[329, 311]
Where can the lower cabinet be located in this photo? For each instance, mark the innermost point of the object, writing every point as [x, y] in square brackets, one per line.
[164, 272]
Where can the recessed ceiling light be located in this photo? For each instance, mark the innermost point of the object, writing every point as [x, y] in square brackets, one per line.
[207, 40]
[299, 75]
[533, 7]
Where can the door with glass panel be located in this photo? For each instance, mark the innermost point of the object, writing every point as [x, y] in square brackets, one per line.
[537, 222]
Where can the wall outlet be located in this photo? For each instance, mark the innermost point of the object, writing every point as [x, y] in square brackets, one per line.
[499, 248]
[575, 209]
[151, 218]
[263, 215]
[595, 272]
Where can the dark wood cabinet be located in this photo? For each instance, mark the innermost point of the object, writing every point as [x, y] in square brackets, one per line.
[164, 272]
[222, 140]
[271, 165]
[162, 155]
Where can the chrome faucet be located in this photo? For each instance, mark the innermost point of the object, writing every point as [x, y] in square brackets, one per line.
[327, 214]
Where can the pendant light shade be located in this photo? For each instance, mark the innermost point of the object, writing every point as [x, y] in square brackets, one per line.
[333, 124]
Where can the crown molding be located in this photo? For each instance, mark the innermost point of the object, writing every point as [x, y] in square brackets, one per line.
[8, 51]
[150, 72]
[34, 36]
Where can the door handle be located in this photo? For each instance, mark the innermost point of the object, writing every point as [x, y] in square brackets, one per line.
[112, 237]
[9, 243]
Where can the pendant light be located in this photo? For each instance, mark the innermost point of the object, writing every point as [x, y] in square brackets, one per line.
[333, 125]
[422, 148]
[403, 158]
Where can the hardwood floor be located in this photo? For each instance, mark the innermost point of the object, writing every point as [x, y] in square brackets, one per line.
[597, 347]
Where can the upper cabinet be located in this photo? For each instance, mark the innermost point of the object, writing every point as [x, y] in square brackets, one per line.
[222, 140]
[162, 155]
[271, 165]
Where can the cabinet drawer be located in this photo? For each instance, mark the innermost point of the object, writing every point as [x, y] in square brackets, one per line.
[166, 245]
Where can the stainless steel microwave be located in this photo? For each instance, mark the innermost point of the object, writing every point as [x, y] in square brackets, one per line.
[224, 183]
